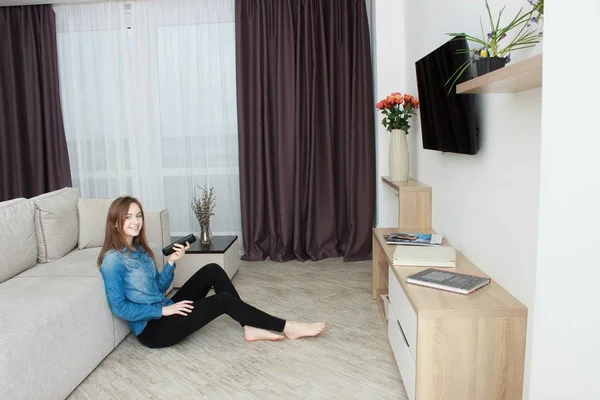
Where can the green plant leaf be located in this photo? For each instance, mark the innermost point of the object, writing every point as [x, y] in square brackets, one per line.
[529, 37]
[523, 47]
[481, 24]
[467, 36]
[498, 23]
[487, 6]
[516, 21]
[456, 75]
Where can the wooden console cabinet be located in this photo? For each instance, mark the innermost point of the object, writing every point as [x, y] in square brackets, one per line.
[447, 345]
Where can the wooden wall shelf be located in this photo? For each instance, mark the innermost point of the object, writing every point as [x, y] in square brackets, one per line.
[522, 75]
[409, 186]
[414, 203]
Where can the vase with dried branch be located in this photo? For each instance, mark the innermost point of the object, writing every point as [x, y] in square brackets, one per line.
[203, 208]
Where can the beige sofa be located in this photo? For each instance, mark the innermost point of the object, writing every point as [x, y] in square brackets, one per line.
[55, 323]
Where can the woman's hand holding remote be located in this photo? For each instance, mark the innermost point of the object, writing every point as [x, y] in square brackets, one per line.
[179, 252]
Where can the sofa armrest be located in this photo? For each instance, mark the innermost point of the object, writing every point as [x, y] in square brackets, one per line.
[158, 233]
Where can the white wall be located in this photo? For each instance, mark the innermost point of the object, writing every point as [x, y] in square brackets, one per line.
[487, 204]
[387, 36]
[566, 326]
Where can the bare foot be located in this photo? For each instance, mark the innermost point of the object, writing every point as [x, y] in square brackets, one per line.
[252, 334]
[295, 330]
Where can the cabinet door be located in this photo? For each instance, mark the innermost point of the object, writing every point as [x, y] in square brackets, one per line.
[404, 359]
[404, 311]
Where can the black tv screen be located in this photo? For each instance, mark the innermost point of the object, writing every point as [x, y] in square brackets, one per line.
[449, 121]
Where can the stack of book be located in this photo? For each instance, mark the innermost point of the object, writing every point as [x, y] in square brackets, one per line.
[421, 250]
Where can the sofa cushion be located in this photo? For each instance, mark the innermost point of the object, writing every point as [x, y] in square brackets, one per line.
[18, 247]
[76, 264]
[53, 333]
[56, 223]
[92, 221]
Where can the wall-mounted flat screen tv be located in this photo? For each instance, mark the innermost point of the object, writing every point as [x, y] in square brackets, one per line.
[449, 121]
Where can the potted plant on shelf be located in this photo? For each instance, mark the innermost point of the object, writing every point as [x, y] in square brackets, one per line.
[397, 109]
[494, 48]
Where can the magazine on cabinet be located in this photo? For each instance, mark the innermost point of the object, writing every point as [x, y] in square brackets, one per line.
[448, 280]
[414, 239]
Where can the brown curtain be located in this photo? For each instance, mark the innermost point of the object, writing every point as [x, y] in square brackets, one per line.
[33, 147]
[306, 130]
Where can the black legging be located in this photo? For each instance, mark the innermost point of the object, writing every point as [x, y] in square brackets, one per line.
[170, 330]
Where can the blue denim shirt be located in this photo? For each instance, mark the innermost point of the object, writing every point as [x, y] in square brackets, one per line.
[134, 288]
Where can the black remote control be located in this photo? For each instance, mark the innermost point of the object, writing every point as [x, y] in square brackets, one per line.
[168, 250]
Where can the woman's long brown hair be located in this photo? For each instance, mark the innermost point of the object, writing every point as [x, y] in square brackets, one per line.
[114, 237]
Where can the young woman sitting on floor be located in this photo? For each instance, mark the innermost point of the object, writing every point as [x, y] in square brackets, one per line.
[135, 289]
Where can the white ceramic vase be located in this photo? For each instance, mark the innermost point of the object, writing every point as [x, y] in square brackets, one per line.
[398, 156]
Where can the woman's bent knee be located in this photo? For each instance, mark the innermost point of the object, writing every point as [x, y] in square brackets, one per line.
[214, 269]
[226, 297]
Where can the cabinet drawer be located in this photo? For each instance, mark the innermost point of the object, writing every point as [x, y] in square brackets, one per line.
[405, 361]
[404, 312]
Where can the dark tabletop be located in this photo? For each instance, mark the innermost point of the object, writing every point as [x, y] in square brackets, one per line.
[218, 245]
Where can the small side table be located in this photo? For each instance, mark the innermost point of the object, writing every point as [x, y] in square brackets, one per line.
[223, 250]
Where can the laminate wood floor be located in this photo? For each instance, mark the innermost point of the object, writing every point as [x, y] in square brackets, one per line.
[351, 359]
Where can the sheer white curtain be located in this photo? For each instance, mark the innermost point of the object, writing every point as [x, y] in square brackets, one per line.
[148, 92]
